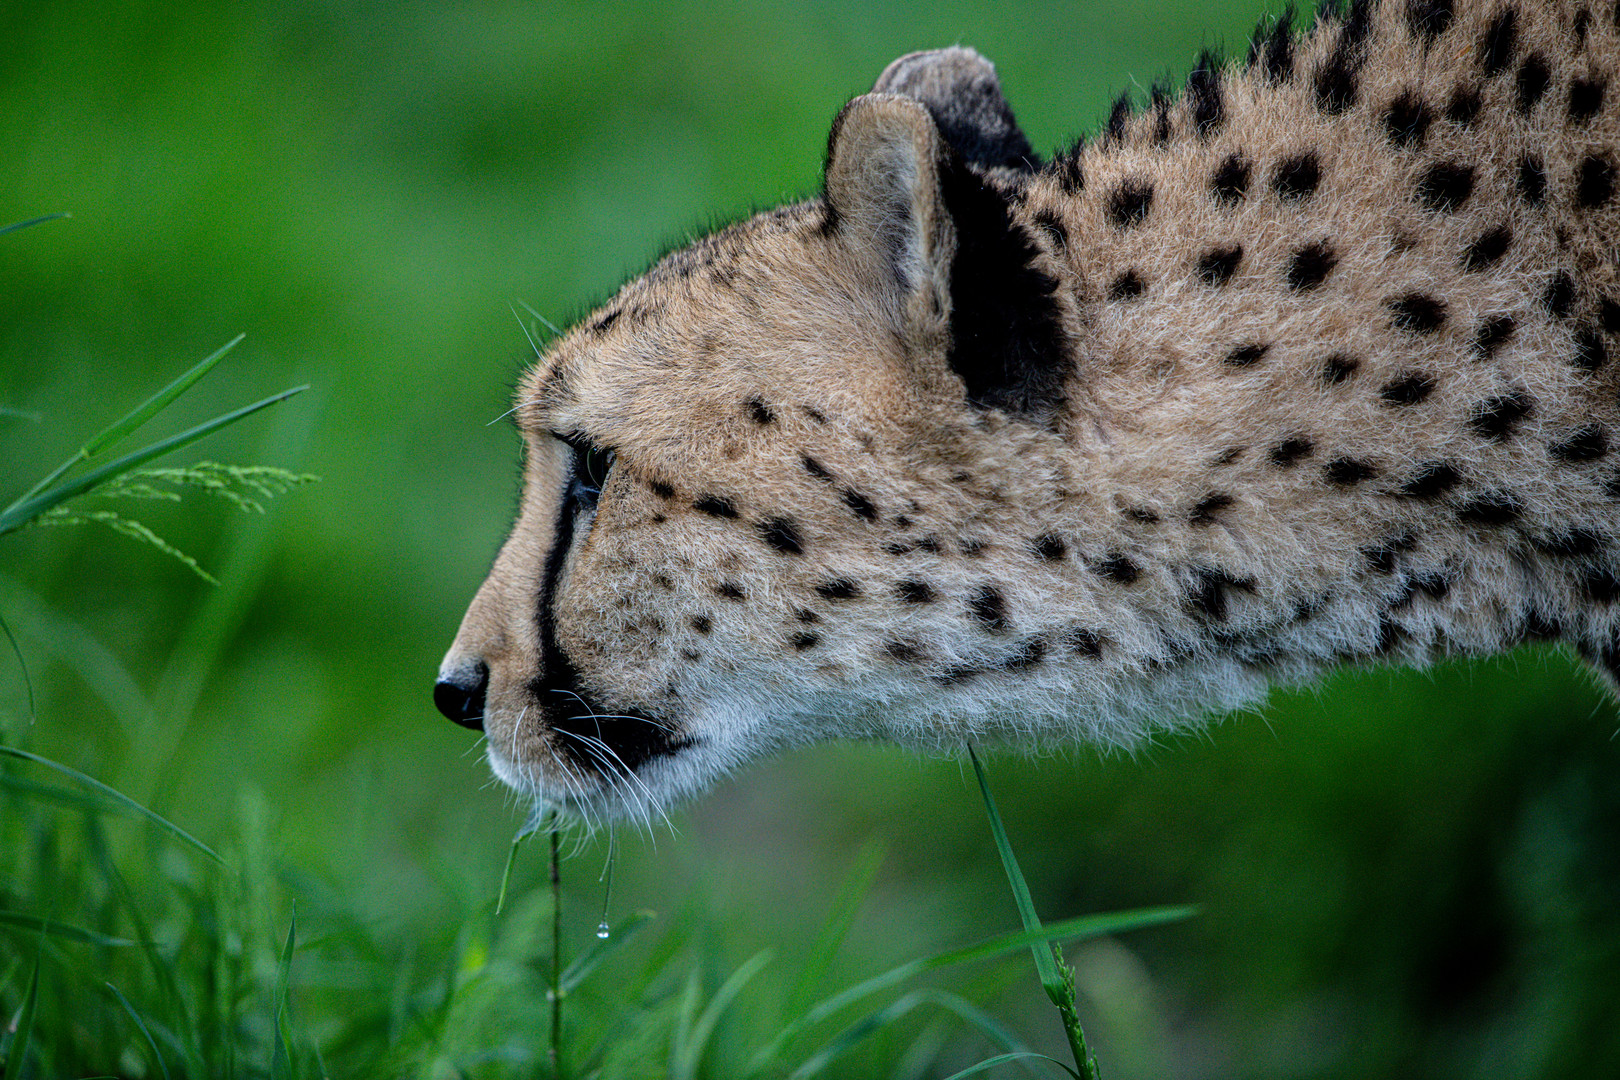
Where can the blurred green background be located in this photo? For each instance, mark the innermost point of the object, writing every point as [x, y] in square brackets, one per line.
[1400, 874]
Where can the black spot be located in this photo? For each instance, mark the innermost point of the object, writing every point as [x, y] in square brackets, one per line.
[1609, 315]
[931, 545]
[1128, 286]
[1049, 547]
[702, 624]
[1288, 452]
[814, 467]
[715, 506]
[1296, 178]
[1490, 508]
[904, 652]
[1533, 80]
[859, 504]
[839, 589]
[1573, 544]
[1585, 99]
[1053, 226]
[1445, 186]
[1559, 295]
[1594, 185]
[1590, 352]
[1310, 265]
[806, 616]
[600, 326]
[1495, 418]
[1411, 388]
[1600, 585]
[661, 489]
[915, 592]
[1611, 487]
[1484, 251]
[1462, 108]
[805, 640]
[731, 590]
[1432, 480]
[1084, 642]
[1029, 654]
[1492, 332]
[1245, 355]
[691, 655]
[1496, 47]
[1431, 583]
[782, 534]
[1347, 472]
[1532, 180]
[1161, 115]
[760, 411]
[1428, 19]
[1119, 118]
[989, 608]
[1406, 121]
[1204, 95]
[1338, 368]
[1417, 313]
[814, 413]
[1273, 47]
[1118, 568]
[1130, 203]
[1210, 589]
[1141, 514]
[1007, 341]
[1585, 444]
[1336, 83]
[1230, 181]
[1217, 265]
[1583, 23]
[1228, 456]
[901, 521]
[1204, 511]
[897, 548]
[1072, 179]
[1381, 557]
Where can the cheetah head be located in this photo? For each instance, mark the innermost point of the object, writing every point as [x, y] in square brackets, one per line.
[762, 484]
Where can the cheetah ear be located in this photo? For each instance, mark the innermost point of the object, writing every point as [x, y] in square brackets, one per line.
[960, 90]
[884, 206]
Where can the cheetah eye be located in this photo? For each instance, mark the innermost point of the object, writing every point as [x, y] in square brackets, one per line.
[591, 465]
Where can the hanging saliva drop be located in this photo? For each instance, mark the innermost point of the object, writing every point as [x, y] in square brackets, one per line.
[602, 930]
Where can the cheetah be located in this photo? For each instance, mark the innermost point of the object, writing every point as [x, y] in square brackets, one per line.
[1305, 364]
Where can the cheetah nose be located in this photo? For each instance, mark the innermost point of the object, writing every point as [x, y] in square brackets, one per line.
[459, 694]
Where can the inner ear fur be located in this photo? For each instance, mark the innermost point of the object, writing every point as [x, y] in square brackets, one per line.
[885, 207]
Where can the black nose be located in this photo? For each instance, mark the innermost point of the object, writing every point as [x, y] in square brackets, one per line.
[460, 696]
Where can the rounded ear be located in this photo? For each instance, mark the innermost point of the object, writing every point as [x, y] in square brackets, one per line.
[884, 203]
[960, 90]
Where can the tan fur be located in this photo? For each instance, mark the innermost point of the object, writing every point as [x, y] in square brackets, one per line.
[1168, 464]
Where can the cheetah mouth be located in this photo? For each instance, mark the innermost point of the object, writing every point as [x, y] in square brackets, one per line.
[594, 739]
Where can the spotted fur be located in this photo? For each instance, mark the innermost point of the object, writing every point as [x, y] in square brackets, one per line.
[1310, 363]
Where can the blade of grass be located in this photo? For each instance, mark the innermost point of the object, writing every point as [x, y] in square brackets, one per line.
[42, 219]
[529, 829]
[592, 958]
[163, 1066]
[1079, 928]
[25, 1019]
[28, 682]
[24, 510]
[280, 1059]
[118, 797]
[850, 898]
[54, 929]
[1056, 978]
[686, 1067]
[132, 420]
[1001, 1059]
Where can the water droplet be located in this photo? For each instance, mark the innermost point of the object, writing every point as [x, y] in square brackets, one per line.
[602, 930]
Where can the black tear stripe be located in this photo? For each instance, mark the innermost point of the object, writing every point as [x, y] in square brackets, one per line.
[1007, 338]
[566, 706]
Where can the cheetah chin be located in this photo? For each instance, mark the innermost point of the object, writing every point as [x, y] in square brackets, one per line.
[1307, 364]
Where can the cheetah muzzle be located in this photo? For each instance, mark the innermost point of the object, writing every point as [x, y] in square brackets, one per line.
[1304, 365]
